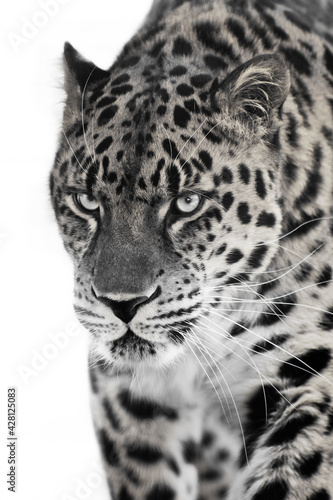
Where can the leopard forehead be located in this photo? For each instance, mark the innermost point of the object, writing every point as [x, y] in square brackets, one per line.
[140, 134]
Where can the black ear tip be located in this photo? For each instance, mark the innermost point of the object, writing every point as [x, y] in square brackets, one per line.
[81, 69]
[70, 53]
[68, 49]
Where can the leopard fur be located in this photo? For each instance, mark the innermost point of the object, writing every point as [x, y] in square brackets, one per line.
[193, 190]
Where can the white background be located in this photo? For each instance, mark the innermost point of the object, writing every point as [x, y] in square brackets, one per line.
[56, 450]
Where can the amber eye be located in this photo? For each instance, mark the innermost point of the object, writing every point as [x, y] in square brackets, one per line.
[189, 203]
[85, 202]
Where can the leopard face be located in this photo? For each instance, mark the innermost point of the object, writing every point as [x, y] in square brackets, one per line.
[166, 192]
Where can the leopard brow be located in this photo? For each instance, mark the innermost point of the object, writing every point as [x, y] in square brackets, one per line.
[77, 190]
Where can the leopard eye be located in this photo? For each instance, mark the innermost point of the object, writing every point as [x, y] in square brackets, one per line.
[86, 202]
[189, 203]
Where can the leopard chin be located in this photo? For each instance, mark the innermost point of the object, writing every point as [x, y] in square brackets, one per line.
[131, 348]
[133, 351]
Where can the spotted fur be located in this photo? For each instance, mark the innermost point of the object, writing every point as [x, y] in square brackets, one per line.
[203, 250]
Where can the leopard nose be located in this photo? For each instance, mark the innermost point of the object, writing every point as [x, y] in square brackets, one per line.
[126, 309]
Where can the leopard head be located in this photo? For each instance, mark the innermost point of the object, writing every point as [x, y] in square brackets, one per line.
[166, 190]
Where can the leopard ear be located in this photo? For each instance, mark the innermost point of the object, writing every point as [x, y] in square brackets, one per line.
[79, 73]
[256, 87]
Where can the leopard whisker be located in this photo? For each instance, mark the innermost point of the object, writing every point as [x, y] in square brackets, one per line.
[205, 372]
[266, 301]
[317, 219]
[71, 148]
[273, 344]
[204, 137]
[247, 362]
[95, 357]
[250, 311]
[221, 287]
[303, 259]
[267, 354]
[198, 343]
[319, 283]
[237, 414]
[251, 360]
[261, 376]
[269, 271]
[273, 303]
[82, 112]
[269, 303]
[188, 140]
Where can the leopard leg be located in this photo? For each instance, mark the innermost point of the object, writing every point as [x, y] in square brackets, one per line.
[289, 447]
[217, 458]
[148, 440]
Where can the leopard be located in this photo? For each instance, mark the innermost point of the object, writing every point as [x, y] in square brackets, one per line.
[192, 187]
